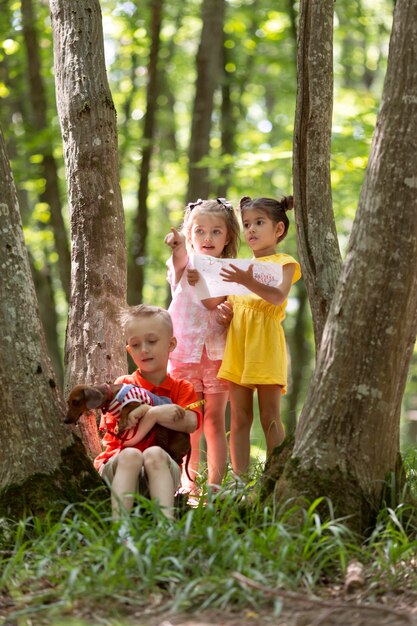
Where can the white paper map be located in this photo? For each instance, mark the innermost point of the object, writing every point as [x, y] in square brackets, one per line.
[211, 284]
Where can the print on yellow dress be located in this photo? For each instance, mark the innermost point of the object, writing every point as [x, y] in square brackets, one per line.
[255, 352]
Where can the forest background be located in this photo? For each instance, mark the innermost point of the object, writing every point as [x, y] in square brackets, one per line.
[250, 139]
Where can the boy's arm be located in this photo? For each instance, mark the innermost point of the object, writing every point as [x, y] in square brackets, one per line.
[175, 417]
[145, 424]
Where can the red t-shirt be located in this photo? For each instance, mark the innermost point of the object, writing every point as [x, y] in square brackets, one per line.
[180, 392]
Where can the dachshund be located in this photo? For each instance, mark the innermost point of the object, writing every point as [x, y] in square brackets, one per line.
[120, 400]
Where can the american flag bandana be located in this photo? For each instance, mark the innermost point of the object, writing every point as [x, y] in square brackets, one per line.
[133, 393]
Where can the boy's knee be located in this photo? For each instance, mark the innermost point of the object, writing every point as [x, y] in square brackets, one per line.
[130, 457]
[154, 458]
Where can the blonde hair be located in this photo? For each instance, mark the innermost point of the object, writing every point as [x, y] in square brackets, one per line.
[220, 207]
[129, 314]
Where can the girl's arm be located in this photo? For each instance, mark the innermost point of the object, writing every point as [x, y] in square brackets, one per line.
[210, 303]
[274, 295]
[213, 303]
[176, 241]
[225, 313]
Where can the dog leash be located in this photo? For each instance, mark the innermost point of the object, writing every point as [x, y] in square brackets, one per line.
[194, 405]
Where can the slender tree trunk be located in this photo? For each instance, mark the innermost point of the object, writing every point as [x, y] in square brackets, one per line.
[293, 20]
[37, 95]
[140, 225]
[46, 300]
[317, 238]
[35, 440]
[227, 128]
[209, 58]
[300, 357]
[347, 441]
[95, 348]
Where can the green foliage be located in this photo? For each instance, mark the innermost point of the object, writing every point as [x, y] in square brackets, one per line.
[260, 74]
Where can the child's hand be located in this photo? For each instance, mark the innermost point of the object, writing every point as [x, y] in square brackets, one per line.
[167, 414]
[136, 414]
[193, 277]
[224, 313]
[174, 239]
[233, 274]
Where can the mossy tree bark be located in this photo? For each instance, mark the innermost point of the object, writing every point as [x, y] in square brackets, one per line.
[318, 246]
[40, 462]
[347, 440]
[95, 350]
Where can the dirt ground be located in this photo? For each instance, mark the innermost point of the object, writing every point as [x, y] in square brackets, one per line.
[290, 613]
[335, 607]
[300, 612]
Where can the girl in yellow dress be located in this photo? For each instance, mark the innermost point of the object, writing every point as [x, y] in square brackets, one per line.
[255, 354]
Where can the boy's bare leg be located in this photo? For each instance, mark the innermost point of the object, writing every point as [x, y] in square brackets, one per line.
[241, 418]
[269, 398]
[161, 483]
[125, 481]
[215, 433]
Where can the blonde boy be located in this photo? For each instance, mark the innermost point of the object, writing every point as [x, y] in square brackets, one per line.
[138, 464]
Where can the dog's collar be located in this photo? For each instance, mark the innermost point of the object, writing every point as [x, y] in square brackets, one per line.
[105, 406]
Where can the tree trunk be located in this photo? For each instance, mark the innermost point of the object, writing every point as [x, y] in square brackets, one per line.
[300, 357]
[227, 129]
[140, 224]
[35, 441]
[95, 348]
[209, 58]
[347, 442]
[37, 95]
[317, 238]
[46, 301]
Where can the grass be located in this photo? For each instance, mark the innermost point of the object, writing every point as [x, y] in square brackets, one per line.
[81, 563]
[60, 567]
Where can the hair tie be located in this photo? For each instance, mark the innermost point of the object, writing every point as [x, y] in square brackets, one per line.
[245, 200]
[225, 203]
[287, 203]
[192, 205]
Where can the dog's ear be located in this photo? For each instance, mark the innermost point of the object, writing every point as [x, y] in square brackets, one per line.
[93, 397]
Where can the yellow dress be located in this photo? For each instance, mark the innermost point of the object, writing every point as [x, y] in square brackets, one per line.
[255, 352]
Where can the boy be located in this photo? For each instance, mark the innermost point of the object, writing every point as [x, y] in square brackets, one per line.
[137, 464]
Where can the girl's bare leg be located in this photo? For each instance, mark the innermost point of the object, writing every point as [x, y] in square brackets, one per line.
[194, 463]
[161, 484]
[269, 398]
[125, 481]
[241, 414]
[215, 434]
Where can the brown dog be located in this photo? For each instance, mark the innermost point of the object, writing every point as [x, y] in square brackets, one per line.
[85, 398]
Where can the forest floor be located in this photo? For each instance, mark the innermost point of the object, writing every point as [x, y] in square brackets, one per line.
[332, 608]
[296, 610]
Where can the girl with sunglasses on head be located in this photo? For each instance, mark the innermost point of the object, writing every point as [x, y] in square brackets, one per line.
[210, 227]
